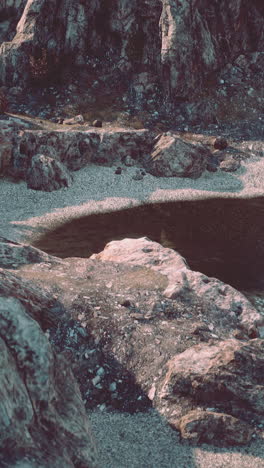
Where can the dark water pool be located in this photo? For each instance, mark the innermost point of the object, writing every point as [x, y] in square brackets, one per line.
[221, 238]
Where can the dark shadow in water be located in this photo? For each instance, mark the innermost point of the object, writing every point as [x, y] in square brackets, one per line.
[222, 238]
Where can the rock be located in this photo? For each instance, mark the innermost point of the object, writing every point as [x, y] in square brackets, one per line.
[219, 299]
[47, 174]
[40, 399]
[212, 164]
[173, 157]
[118, 170]
[5, 153]
[191, 287]
[42, 307]
[97, 123]
[143, 252]
[226, 374]
[183, 73]
[3, 103]
[220, 143]
[214, 428]
[132, 330]
[13, 255]
[176, 45]
[138, 175]
[117, 145]
[78, 119]
[76, 149]
[230, 165]
[128, 161]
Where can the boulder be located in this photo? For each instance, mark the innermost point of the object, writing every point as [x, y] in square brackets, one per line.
[42, 416]
[214, 428]
[226, 375]
[13, 255]
[47, 174]
[76, 149]
[173, 157]
[217, 299]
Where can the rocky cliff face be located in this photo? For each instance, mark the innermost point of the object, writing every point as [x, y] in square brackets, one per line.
[182, 44]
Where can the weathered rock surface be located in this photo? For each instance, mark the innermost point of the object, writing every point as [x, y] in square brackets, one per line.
[76, 149]
[228, 374]
[123, 332]
[217, 428]
[47, 174]
[13, 255]
[42, 417]
[199, 38]
[5, 154]
[172, 156]
[192, 41]
[41, 306]
[216, 298]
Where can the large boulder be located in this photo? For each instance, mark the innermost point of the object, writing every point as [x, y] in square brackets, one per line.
[216, 298]
[174, 157]
[47, 174]
[227, 374]
[42, 416]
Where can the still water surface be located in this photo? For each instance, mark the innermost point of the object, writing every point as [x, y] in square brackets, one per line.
[221, 238]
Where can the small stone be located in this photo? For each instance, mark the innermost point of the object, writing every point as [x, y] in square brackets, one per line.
[229, 165]
[112, 387]
[78, 119]
[96, 380]
[220, 143]
[97, 123]
[137, 175]
[118, 170]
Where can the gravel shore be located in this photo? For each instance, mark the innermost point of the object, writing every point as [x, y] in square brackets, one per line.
[26, 213]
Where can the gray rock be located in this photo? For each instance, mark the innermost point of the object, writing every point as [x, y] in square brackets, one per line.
[47, 174]
[185, 40]
[39, 399]
[173, 157]
[13, 255]
[76, 149]
[230, 165]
